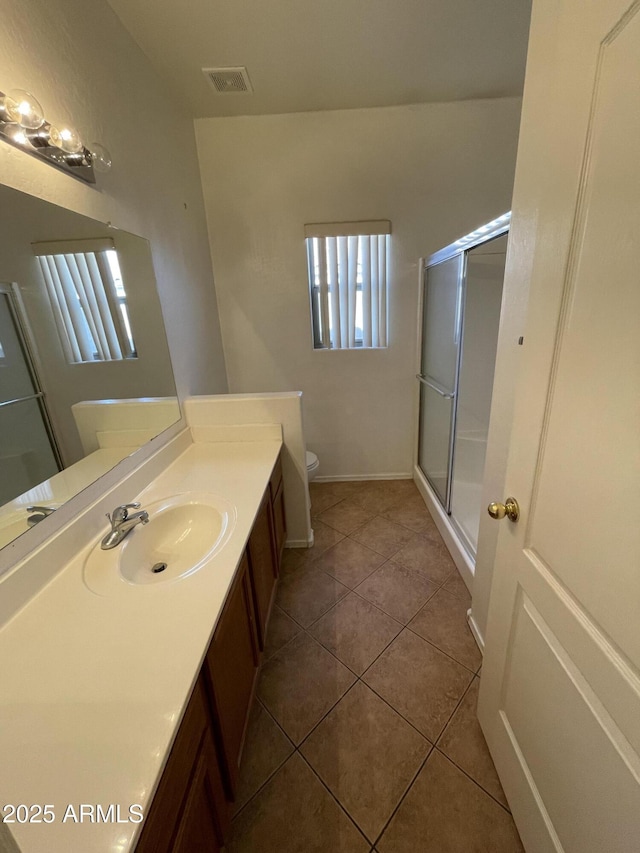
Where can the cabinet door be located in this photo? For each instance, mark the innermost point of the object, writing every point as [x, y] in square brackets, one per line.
[279, 525]
[186, 760]
[199, 827]
[232, 665]
[263, 568]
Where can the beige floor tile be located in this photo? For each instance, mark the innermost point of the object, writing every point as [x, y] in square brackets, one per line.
[266, 747]
[324, 537]
[349, 562]
[412, 512]
[456, 586]
[404, 488]
[397, 590]
[322, 496]
[355, 632]
[299, 684]
[367, 755]
[445, 812]
[345, 516]
[281, 629]
[463, 742]
[429, 556]
[308, 593]
[383, 536]
[294, 813]
[419, 681]
[291, 561]
[376, 496]
[443, 621]
[347, 488]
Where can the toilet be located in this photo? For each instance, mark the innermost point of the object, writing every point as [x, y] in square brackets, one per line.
[312, 465]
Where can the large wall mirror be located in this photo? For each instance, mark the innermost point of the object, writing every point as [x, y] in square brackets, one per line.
[85, 372]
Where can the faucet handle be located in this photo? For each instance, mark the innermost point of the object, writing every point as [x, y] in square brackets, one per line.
[121, 512]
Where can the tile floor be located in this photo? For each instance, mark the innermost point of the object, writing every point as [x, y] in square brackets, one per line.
[363, 736]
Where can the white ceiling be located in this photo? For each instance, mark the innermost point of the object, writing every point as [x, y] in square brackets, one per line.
[333, 54]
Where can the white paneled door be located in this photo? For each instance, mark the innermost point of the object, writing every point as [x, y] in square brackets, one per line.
[560, 695]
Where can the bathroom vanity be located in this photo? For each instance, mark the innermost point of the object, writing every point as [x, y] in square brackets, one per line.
[190, 810]
[139, 694]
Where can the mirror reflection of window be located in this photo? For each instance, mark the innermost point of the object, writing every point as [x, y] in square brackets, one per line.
[88, 299]
[2, 355]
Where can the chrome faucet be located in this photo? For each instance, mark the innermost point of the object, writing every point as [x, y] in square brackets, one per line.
[40, 513]
[122, 524]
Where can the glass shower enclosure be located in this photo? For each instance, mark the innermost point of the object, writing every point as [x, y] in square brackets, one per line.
[461, 301]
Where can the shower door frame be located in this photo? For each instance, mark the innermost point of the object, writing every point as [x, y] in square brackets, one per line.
[17, 312]
[485, 233]
[430, 383]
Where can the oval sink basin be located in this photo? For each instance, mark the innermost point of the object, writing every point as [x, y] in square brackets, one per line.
[182, 534]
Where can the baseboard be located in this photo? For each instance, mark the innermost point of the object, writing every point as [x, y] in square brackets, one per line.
[473, 625]
[300, 543]
[342, 478]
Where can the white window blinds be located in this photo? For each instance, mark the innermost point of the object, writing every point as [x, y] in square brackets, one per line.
[348, 279]
[88, 299]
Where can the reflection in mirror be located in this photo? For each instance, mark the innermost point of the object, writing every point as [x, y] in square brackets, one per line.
[85, 372]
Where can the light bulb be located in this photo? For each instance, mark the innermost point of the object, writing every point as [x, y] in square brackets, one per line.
[100, 157]
[65, 138]
[16, 134]
[23, 108]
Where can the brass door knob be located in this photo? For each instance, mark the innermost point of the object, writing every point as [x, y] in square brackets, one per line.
[509, 508]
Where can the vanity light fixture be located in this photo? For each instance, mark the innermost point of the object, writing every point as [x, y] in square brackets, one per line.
[22, 124]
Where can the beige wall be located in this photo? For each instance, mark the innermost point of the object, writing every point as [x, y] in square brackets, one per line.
[84, 67]
[435, 170]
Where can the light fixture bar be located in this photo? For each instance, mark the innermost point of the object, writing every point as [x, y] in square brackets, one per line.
[46, 141]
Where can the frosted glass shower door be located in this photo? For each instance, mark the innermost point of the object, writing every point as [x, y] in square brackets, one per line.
[439, 366]
[27, 453]
[482, 301]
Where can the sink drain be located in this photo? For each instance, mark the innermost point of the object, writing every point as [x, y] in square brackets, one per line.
[159, 567]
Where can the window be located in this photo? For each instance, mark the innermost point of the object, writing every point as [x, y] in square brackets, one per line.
[88, 299]
[348, 278]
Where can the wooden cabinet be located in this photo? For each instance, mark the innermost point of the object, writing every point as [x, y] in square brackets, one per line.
[200, 828]
[231, 666]
[190, 811]
[190, 797]
[263, 566]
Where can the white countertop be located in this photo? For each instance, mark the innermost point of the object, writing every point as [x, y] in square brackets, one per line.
[93, 688]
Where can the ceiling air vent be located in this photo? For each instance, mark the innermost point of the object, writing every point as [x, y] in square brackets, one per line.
[226, 80]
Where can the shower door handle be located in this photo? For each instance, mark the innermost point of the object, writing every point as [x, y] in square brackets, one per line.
[431, 384]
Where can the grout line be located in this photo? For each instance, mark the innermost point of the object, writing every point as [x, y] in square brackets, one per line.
[399, 713]
[442, 651]
[237, 814]
[384, 829]
[446, 726]
[333, 796]
[324, 716]
[402, 798]
[475, 781]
